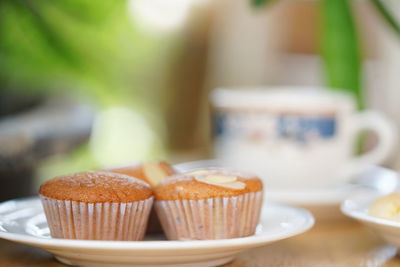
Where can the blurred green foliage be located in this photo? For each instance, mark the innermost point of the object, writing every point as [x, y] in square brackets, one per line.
[81, 46]
[340, 48]
[261, 2]
[386, 15]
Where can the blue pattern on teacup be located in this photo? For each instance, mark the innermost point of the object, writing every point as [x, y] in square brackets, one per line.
[259, 127]
[306, 129]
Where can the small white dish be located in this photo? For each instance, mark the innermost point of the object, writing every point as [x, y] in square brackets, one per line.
[23, 221]
[356, 207]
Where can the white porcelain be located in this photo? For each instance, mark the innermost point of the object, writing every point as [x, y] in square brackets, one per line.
[356, 207]
[321, 197]
[23, 221]
[295, 137]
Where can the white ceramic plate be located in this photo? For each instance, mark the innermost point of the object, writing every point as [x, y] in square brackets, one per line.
[23, 221]
[356, 207]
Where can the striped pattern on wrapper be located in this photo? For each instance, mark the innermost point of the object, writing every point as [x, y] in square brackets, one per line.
[97, 221]
[211, 218]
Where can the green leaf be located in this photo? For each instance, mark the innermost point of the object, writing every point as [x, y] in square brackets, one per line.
[340, 48]
[258, 3]
[32, 11]
[385, 13]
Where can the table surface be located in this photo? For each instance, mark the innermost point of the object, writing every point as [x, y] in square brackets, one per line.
[333, 243]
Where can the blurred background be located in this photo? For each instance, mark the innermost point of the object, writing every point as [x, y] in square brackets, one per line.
[92, 84]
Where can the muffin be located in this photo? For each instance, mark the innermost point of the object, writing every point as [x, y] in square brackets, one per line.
[386, 207]
[209, 204]
[152, 173]
[97, 206]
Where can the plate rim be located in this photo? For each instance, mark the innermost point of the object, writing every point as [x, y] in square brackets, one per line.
[162, 245]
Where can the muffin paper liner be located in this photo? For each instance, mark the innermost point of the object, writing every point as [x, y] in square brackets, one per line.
[211, 218]
[97, 221]
[153, 225]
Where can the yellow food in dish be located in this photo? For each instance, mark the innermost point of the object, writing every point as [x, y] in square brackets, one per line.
[387, 207]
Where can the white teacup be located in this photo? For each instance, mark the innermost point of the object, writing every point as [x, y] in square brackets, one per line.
[296, 137]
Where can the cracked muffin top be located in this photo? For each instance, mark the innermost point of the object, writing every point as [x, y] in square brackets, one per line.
[96, 187]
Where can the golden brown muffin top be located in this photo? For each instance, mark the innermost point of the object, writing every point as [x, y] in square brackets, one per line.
[207, 183]
[96, 187]
[152, 173]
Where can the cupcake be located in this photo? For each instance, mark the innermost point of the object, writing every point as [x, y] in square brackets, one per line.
[209, 204]
[152, 173]
[386, 207]
[97, 206]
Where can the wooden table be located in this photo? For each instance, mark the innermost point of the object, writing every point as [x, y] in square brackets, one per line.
[334, 243]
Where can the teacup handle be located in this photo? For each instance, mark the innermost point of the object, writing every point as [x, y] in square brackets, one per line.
[387, 139]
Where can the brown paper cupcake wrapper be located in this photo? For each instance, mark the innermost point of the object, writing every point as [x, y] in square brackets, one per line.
[97, 221]
[211, 218]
